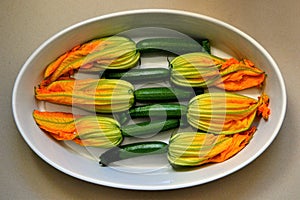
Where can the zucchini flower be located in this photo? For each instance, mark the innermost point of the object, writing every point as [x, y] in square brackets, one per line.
[84, 130]
[198, 148]
[104, 95]
[225, 113]
[113, 52]
[195, 69]
[204, 70]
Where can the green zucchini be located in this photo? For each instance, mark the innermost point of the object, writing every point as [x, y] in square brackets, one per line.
[149, 127]
[138, 75]
[132, 150]
[169, 110]
[173, 45]
[165, 94]
[160, 111]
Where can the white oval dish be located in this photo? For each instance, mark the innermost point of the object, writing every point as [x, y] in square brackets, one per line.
[71, 161]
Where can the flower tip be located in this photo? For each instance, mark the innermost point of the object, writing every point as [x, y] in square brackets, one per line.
[229, 62]
[263, 110]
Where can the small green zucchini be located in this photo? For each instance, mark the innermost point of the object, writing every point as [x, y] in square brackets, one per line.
[149, 127]
[127, 151]
[167, 94]
[173, 45]
[138, 75]
[162, 110]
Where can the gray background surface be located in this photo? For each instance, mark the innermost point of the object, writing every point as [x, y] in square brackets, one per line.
[275, 24]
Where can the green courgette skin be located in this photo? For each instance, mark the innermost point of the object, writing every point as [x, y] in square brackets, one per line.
[162, 110]
[132, 150]
[165, 94]
[149, 127]
[177, 46]
[138, 75]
